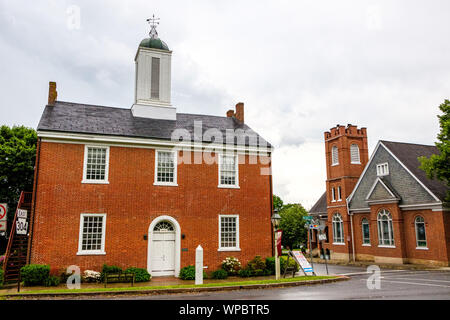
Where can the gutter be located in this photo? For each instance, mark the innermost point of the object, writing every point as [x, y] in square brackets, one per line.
[351, 227]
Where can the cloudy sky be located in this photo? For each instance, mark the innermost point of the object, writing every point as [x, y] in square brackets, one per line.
[300, 67]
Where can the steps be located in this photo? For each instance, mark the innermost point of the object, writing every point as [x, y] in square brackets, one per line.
[16, 252]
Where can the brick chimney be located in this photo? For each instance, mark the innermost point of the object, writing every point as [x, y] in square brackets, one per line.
[230, 113]
[240, 112]
[52, 93]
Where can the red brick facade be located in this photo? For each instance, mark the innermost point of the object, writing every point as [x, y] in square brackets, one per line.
[131, 202]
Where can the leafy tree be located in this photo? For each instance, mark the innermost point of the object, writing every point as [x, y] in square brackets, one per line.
[293, 225]
[438, 165]
[17, 159]
[277, 203]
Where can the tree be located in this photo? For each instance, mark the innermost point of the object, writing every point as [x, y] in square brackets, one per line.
[293, 225]
[277, 203]
[438, 165]
[17, 159]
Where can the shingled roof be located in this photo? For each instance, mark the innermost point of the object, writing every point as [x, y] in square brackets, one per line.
[91, 119]
[320, 207]
[408, 154]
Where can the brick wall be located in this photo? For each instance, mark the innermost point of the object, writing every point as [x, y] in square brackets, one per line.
[131, 202]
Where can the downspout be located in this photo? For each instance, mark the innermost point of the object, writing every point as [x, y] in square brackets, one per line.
[271, 205]
[351, 227]
[36, 176]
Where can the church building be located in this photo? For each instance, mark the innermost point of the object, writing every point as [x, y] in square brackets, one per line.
[383, 209]
[143, 186]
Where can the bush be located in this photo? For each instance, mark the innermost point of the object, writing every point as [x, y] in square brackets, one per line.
[35, 274]
[110, 269]
[188, 273]
[140, 274]
[270, 265]
[51, 281]
[1, 277]
[220, 274]
[256, 264]
[231, 265]
[245, 273]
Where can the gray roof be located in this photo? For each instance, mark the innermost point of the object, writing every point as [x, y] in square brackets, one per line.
[92, 119]
[408, 154]
[320, 207]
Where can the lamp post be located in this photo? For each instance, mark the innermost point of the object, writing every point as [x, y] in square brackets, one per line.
[275, 222]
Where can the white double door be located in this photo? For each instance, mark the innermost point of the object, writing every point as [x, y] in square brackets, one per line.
[163, 253]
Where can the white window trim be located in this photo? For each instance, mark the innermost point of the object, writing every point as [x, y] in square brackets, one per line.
[366, 245]
[339, 193]
[415, 231]
[341, 228]
[237, 247]
[236, 162]
[379, 174]
[359, 155]
[421, 248]
[385, 246]
[362, 233]
[80, 236]
[175, 172]
[106, 180]
[339, 243]
[334, 163]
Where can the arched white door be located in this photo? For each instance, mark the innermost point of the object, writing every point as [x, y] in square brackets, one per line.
[163, 258]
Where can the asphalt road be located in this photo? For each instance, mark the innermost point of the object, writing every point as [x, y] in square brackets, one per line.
[394, 284]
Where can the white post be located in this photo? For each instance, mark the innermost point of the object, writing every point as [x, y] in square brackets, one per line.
[277, 259]
[199, 265]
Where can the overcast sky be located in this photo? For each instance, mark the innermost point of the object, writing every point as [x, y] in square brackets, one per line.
[300, 67]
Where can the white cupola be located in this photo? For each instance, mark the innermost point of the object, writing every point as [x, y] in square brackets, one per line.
[153, 78]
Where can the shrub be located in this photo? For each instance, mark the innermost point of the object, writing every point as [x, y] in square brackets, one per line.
[51, 281]
[140, 274]
[110, 269]
[256, 264]
[1, 277]
[270, 264]
[91, 276]
[245, 273]
[35, 274]
[220, 274]
[231, 265]
[188, 273]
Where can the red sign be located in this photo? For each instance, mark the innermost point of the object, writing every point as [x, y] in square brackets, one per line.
[279, 235]
[2, 211]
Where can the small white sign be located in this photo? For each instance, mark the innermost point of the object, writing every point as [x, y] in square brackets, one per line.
[301, 260]
[322, 237]
[21, 226]
[21, 213]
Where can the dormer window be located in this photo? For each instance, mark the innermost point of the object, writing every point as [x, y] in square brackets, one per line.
[334, 156]
[382, 169]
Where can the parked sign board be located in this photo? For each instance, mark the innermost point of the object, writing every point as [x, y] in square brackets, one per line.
[304, 264]
[3, 215]
[21, 226]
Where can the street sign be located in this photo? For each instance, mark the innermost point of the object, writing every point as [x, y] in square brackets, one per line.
[308, 218]
[304, 264]
[3, 216]
[21, 226]
[314, 226]
[322, 237]
[21, 213]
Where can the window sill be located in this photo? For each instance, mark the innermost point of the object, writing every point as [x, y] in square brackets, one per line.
[224, 186]
[162, 184]
[229, 249]
[336, 164]
[366, 245]
[421, 248]
[338, 243]
[355, 162]
[94, 182]
[385, 246]
[91, 253]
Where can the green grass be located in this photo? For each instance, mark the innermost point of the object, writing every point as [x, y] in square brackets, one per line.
[206, 285]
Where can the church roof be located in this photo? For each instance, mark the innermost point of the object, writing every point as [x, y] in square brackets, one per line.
[320, 207]
[154, 43]
[71, 117]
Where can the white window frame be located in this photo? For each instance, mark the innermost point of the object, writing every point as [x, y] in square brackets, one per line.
[425, 230]
[333, 195]
[340, 224]
[354, 150]
[104, 181]
[334, 160]
[381, 240]
[237, 247]
[80, 236]
[236, 163]
[382, 169]
[339, 193]
[174, 183]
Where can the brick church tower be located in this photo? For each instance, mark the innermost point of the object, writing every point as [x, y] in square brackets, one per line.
[346, 156]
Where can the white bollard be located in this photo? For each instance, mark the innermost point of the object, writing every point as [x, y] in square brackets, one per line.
[199, 265]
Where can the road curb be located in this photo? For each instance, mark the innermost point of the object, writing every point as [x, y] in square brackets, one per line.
[175, 290]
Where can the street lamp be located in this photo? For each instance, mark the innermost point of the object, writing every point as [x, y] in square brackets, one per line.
[276, 222]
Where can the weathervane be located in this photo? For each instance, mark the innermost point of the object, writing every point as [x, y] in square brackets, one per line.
[153, 23]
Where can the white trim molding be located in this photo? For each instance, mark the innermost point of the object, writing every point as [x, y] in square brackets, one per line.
[236, 170]
[237, 247]
[85, 158]
[80, 236]
[173, 183]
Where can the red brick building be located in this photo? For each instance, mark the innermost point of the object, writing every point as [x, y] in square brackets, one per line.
[383, 209]
[145, 186]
